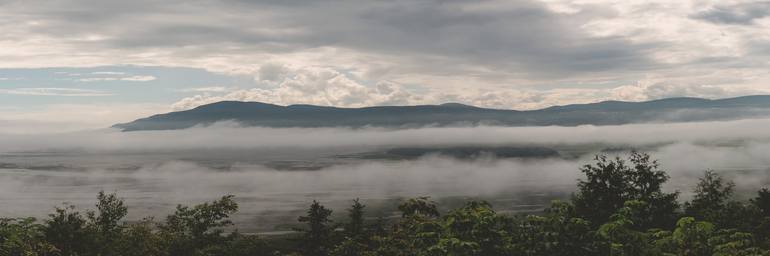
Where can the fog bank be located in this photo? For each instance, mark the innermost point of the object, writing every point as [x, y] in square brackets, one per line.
[229, 135]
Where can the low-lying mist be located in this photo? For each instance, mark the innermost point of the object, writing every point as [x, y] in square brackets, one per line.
[230, 135]
[155, 170]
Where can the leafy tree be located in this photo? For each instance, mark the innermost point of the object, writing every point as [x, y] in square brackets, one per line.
[416, 232]
[610, 183]
[66, 230]
[712, 195]
[23, 236]
[475, 229]
[198, 230]
[622, 235]
[247, 245]
[734, 243]
[316, 238]
[140, 239]
[104, 223]
[349, 247]
[557, 232]
[691, 237]
[420, 206]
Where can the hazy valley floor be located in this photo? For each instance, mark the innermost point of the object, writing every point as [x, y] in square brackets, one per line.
[275, 173]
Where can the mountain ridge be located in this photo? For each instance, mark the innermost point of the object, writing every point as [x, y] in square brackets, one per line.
[679, 109]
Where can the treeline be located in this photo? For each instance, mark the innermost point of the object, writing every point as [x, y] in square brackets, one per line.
[618, 209]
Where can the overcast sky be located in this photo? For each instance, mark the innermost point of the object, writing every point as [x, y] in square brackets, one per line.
[96, 62]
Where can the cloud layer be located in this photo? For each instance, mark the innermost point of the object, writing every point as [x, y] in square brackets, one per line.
[508, 54]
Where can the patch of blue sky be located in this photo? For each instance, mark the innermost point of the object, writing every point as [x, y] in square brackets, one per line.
[108, 84]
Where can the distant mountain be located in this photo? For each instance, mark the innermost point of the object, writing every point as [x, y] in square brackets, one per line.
[601, 113]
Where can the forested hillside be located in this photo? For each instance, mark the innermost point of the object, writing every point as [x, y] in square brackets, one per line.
[618, 209]
[453, 114]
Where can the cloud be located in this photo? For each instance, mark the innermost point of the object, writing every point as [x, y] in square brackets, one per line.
[309, 85]
[738, 14]
[127, 78]
[230, 136]
[206, 89]
[398, 37]
[108, 73]
[68, 92]
[285, 85]
[481, 51]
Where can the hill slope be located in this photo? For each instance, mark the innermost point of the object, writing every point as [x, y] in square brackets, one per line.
[601, 113]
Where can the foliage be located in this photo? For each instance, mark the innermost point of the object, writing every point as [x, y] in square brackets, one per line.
[66, 231]
[712, 195]
[24, 236]
[198, 230]
[610, 183]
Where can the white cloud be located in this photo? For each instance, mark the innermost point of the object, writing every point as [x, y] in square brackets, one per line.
[311, 85]
[108, 73]
[138, 78]
[128, 78]
[206, 89]
[55, 92]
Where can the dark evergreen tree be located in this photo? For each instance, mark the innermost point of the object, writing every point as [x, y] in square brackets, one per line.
[316, 238]
[355, 227]
[762, 202]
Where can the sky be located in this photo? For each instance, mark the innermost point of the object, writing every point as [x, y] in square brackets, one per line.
[93, 63]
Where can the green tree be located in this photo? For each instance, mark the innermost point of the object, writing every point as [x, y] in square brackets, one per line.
[23, 237]
[104, 223]
[198, 230]
[247, 245]
[610, 183]
[729, 242]
[622, 235]
[317, 237]
[712, 195]
[420, 206]
[355, 227]
[356, 236]
[762, 202]
[558, 231]
[66, 230]
[140, 239]
[475, 229]
[416, 233]
[691, 237]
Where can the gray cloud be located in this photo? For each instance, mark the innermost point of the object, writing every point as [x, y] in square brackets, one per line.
[739, 14]
[508, 54]
[514, 36]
